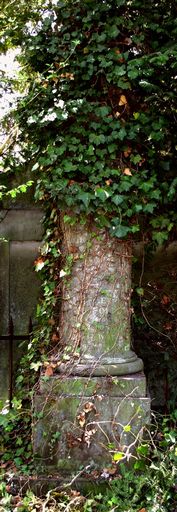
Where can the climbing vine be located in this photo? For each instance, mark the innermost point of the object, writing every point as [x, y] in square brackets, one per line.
[98, 121]
[97, 124]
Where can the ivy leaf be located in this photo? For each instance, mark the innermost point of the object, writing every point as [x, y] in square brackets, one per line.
[113, 31]
[140, 291]
[117, 199]
[122, 133]
[85, 198]
[102, 194]
[121, 231]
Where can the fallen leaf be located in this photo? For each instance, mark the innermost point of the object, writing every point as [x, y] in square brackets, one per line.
[55, 338]
[81, 419]
[88, 434]
[127, 40]
[67, 75]
[127, 152]
[88, 407]
[75, 493]
[165, 300]
[127, 172]
[51, 321]
[123, 100]
[118, 52]
[72, 441]
[168, 326]
[49, 371]
[108, 182]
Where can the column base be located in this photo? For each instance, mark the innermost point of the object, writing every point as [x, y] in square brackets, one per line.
[124, 364]
[86, 421]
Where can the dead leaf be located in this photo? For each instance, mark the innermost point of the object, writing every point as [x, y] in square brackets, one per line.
[51, 321]
[67, 75]
[108, 182]
[127, 40]
[142, 510]
[81, 419]
[99, 398]
[49, 371]
[72, 441]
[75, 493]
[165, 300]
[45, 84]
[39, 264]
[88, 434]
[168, 326]
[118, 52]
[127, 152]
[88, 407]
[55, 338]
[123, 100]
[127, 172]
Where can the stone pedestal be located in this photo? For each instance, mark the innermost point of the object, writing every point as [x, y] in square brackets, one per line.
[89, 421]
[97, 406]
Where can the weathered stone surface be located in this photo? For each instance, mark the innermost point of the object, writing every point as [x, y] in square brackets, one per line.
[21, 224]
[24, 284]
[82, 427]
[4, 316]
[4, 287]
[95, 306]
[4, 378]
[113, 386]
[19, 291]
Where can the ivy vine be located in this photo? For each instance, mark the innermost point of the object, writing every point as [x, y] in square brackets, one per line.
[98, 120]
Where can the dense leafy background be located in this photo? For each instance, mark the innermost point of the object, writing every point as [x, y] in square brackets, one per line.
[98, 120]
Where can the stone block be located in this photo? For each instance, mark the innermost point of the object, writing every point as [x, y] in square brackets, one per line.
[4, 287]
[24, 284]
[19, 291]
[77, 425]
[21, 224]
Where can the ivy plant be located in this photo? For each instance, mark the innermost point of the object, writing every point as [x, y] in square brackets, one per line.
[97, 123]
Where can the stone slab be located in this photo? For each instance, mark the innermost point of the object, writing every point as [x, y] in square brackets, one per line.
[21, 224]
[24, 284]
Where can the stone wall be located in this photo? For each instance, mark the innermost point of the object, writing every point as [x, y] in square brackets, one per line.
[20, 235]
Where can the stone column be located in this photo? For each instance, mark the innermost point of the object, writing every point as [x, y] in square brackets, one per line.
[96, 310]
[96, 406]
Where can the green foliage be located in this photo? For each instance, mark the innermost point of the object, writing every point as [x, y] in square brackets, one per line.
[98, 120]
[149, 485]
[97, 129]
[21, 189]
